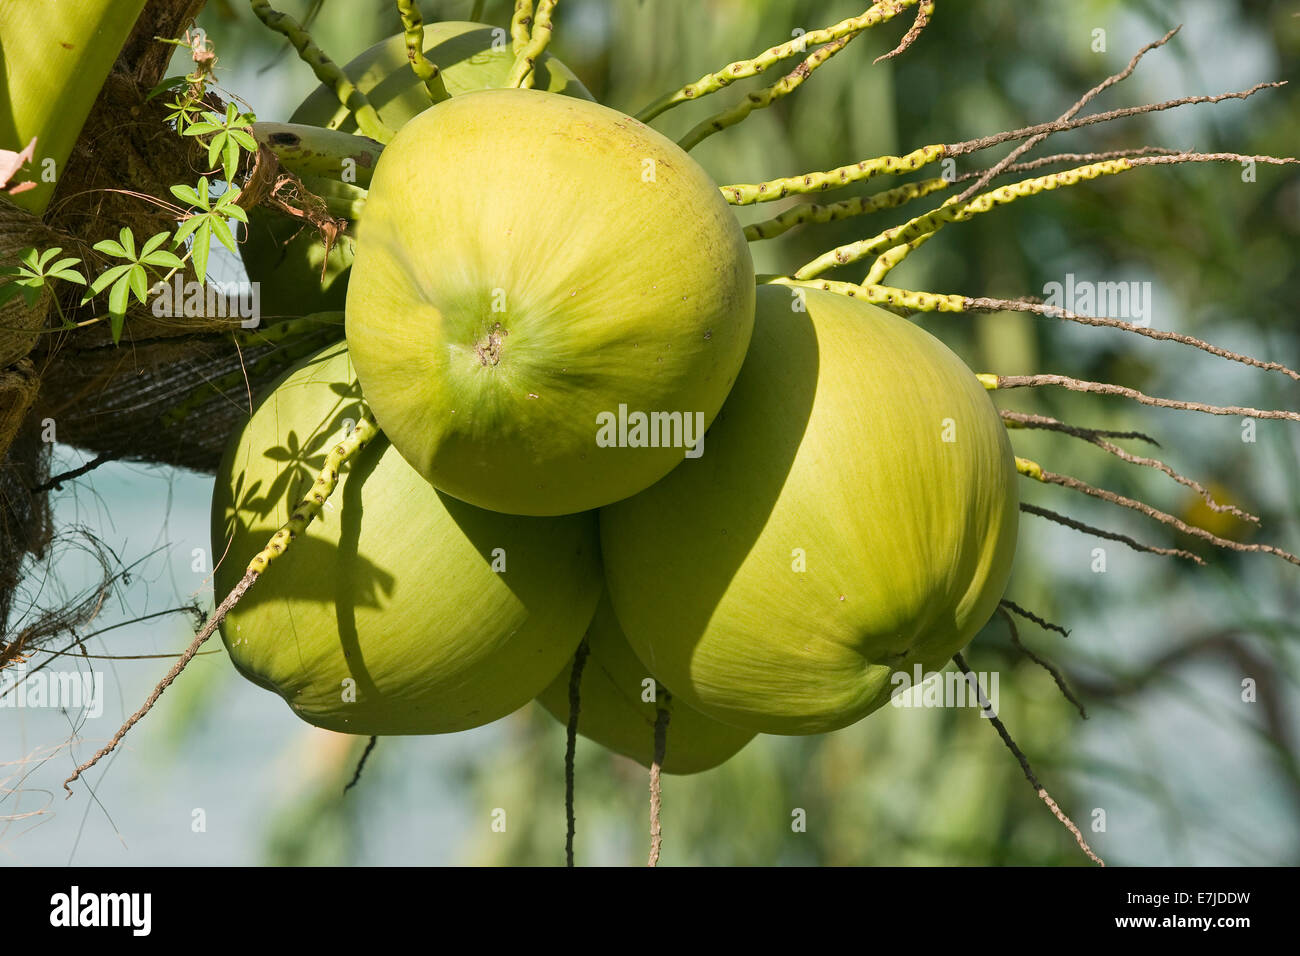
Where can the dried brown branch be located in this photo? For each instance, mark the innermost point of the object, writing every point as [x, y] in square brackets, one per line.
[1106, 388]
[1065, 117]
[361, 764]
[1042, 662]
[923, 13]
[199, 639]
[1059, 126]
[656, 803]
[571, 745]
[1024, 766]
[1024, 420]
[984, 304]
[1109, 535]
[1074, 159]
[1067, 481]
[1027, 420]
[1046, 625]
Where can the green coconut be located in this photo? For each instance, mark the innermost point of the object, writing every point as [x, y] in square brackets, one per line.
[400, 610]
[554, 332]
[613, 710]
[289, 261]
[854, 514]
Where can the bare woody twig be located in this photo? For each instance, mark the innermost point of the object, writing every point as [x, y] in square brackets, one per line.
[1065, 117]
[1042, 662]
[1108, 535]
[1028, 771]
[1025, 420]
[991, 382]
[656, 803]
[1031, 469]
[571, 745]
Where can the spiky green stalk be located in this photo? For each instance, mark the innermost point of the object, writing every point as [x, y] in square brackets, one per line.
[880, 12]
[832, 212]
[520, 21]
[746, 194]
[326, 70]
[522, 74]
[950, 211]
[761, 99]
[421, 65]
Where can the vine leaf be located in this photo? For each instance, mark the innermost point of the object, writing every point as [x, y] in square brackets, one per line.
[210, 219]
[132, 276]
[230, 134]
[33, 273]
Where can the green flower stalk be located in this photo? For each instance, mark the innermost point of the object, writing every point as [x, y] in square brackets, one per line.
[761, 99]
[423, 67]
[326, 70]
[880, 12]
[521, 76]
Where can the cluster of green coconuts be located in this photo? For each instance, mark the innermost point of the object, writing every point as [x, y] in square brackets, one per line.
[516, 280]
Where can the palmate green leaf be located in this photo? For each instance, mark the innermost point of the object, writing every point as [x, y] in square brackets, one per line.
[111, 247]
[138, 281]
[117, 306]
[187, 226]
[46, 256]
[102, 281]
[12, 289]
[29, 258]
[237, 213]
[222, 231]
[63, 270]
[244, 139]
[152, 243]
[214, 148]
[127, 238]
[202, 127]
[230, 157]
[186, 194]
[164, 259]
[199, 250]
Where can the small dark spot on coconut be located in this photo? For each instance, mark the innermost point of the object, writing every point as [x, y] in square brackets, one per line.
[708, 334]
[66, 46]
[285, 139]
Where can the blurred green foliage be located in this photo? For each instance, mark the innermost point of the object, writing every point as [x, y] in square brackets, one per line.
[1183, 770]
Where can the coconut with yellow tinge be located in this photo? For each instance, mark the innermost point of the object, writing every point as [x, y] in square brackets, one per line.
[400, 610]
[288, 259]
[529, 267]
[854, 514]
[614, 711]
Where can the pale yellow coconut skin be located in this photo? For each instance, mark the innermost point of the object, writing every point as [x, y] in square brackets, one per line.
[391, 614]
[527, 262]
[830, 455]
[613, 710]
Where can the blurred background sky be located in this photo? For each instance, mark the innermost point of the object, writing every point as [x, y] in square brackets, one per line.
[1185, 771]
